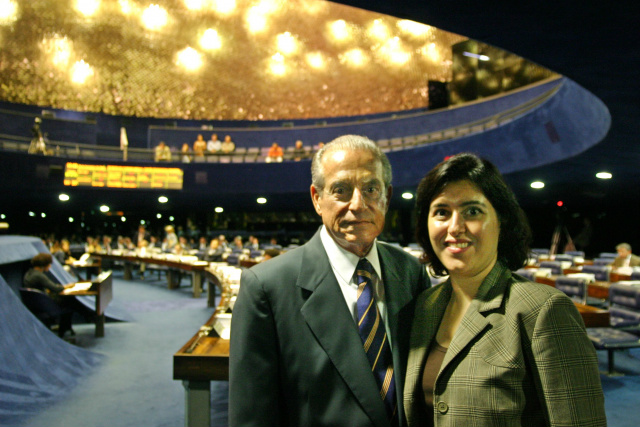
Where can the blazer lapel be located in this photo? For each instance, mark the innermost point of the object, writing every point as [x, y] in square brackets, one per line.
[429, 310]
[328, 317]
[489, 297]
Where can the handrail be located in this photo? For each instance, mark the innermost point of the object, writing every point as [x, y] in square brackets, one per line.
[89, 151]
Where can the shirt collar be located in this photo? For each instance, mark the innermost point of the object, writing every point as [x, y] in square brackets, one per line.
[344, 262]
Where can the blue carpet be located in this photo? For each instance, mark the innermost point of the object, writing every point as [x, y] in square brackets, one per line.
[133, 385]
[37, 369]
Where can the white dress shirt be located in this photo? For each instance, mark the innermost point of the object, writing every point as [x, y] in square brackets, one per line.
[344, 265]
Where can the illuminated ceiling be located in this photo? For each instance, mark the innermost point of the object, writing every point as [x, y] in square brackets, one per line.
[217, 59]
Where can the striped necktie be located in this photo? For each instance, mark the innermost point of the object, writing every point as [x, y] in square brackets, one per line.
[374, 337]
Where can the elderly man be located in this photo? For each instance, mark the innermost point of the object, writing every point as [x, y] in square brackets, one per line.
[320, 334]
[625, 258]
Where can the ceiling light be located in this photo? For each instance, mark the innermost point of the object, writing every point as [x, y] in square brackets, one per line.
[475, 55]
[163, 199]
[315, 60]
[261, 200]
[194, 4]
[8, 11]
[537, 184]
[71, 219]
[414, 28]
[604, 175]
[80, 72]
[378, 30]
[287, 43]
[190, 59]
[210, 40]
[354, 57]
[276, 65]
[63, 197]
[125, 6]
[255, 20]
[87, 7]
[43, 215]
[32, 213]
[219, 209]
[224, 7]
[154, 17]
[123, 219]
[339, 30]
[104, 208]
[158, 216]
[407, 195]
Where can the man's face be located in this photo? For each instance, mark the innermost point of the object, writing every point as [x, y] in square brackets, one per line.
[623, 252]
[354, 200]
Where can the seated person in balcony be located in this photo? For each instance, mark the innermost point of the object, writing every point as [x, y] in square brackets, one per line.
[35, 278]
[228, 146]
[625, 258]
[199, 146]
[214, 145]
[275, 154]
[299, 152]
[162, 152]
[185, 153]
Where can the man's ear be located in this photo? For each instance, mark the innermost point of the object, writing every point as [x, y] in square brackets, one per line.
[315, 198]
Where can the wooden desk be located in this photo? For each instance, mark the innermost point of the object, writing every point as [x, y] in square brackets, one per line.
[94, 265]
[102, 289]
[196, 270]
[594, 289]
[593, 317]
[202, 359]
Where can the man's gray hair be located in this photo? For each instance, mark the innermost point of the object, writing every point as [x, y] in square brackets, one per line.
[624, 246]
[351, 143]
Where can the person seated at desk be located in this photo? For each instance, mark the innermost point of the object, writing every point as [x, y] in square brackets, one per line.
[625, 258]
[35, 278]
[228, 146]
[214, 251]
[275, 154]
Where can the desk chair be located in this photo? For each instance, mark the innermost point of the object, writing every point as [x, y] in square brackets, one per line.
[601, 272]
[580, 254]
[577, 289]
[554, 266]
[624, 314]
[527, 273]
[42, 306]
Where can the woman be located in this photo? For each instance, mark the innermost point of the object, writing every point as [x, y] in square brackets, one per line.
[35, 278]
[488, 347]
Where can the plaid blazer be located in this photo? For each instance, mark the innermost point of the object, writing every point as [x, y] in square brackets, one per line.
[520, 357]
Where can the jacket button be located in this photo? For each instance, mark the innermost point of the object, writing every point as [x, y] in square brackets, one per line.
[442, 407]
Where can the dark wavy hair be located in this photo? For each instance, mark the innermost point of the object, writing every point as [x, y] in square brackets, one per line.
[41, 260]
[515, 234]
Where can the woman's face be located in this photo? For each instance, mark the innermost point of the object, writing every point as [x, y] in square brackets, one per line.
[464, 230]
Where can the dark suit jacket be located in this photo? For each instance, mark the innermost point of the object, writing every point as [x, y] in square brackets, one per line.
[520, 357]
[296, 358]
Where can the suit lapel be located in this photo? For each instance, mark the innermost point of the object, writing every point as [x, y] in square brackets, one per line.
[397, 296]
[328, 317]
